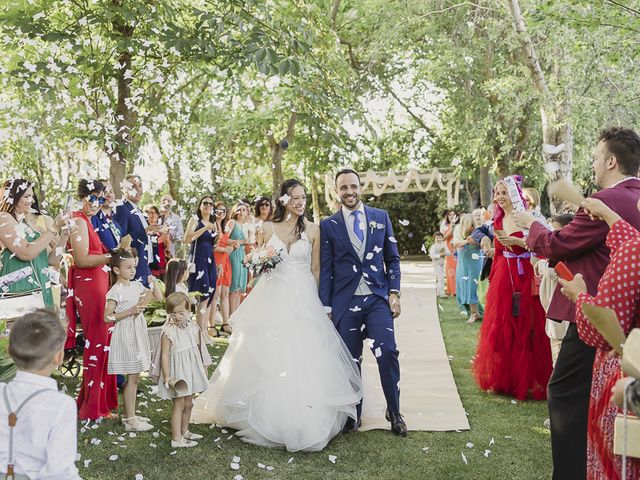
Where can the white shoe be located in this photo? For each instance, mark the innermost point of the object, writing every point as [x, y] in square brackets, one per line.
[183, 443]
[192, 436]
[143, 419]
[133, 424]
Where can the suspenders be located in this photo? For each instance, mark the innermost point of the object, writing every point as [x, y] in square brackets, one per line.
[13, 418]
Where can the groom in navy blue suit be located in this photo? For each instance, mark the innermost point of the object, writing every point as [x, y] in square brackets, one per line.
[360, 287]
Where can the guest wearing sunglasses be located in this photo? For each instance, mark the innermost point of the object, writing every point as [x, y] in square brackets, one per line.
[133, 222]
[88, 286]
[201, 233]
[262, 211]
[107, 228]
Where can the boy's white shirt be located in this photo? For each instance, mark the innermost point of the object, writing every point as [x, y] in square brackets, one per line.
[45, 436]
[435, 248]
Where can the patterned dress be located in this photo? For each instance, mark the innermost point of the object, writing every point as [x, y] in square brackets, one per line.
[10, 263]
[203, 280]
[619, 289]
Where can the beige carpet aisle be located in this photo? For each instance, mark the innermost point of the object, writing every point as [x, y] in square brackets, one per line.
[429, 398]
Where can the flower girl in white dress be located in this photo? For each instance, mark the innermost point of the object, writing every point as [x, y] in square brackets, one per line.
[286, 379]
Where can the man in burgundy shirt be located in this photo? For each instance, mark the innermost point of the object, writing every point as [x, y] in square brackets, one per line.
[581, 246]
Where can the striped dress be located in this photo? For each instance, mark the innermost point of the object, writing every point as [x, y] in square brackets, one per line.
[130, 351]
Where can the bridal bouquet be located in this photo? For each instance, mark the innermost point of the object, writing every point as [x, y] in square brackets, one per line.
[262, 260]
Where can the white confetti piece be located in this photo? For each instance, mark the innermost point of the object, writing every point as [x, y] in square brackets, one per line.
[487, 453]
[469, 445]
[369, 256]
[238, 477]
[333, 458]
[269, 468]
[113, 458]
[492, 441]
[173, 453]
[139, 476]
[236, 460]
[404, 223]
[514, 402]
[87, 462]
[464, 459]
[153, 445]
[261, 465]
[425, 449]
[290, 460]
[377, 249]
[378, 352]
[355, 309]
[355, 269]
[392, 239]
[234, 466]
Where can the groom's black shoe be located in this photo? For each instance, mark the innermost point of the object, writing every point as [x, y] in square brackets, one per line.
[351, 426]
[398, 426]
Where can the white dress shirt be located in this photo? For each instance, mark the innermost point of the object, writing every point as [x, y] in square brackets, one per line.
[45, 436]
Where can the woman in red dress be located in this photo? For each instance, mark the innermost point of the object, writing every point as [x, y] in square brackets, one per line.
[618, 289]
[513, 355]
[88, 286]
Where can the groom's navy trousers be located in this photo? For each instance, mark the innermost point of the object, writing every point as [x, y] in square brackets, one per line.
[369, 317]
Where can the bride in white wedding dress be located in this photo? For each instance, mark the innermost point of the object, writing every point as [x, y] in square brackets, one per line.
[287, 378]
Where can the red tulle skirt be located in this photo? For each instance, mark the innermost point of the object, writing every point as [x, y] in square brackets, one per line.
[513, 355]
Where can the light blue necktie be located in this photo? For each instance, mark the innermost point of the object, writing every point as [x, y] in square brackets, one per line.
[356, 225]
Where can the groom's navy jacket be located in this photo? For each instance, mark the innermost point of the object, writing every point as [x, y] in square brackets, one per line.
[341, 268]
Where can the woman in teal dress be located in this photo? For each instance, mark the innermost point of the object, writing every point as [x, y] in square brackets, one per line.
[468, 268]
[23, 246]
[239, 273]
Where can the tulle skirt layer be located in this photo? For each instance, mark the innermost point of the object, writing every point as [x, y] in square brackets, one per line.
[286, 379]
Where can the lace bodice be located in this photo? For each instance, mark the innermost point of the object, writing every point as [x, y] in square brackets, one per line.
[297, 260]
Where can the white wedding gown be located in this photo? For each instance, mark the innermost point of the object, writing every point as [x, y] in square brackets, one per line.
[287, 378]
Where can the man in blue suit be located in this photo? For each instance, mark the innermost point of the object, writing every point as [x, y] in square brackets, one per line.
[360, 287]
[133, 222]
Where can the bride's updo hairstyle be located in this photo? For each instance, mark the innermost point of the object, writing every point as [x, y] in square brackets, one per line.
[280, 215]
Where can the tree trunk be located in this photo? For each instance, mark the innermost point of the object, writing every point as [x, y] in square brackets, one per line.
[557, 133]
[486, 186]
[315, 199]
[125, 117]
[277, 151]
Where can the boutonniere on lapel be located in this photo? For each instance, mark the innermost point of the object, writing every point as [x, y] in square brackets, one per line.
[373, 224]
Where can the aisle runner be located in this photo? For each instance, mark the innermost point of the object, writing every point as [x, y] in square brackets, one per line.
[429, 398]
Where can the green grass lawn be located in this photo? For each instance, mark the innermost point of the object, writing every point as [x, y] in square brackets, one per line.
[519, 450]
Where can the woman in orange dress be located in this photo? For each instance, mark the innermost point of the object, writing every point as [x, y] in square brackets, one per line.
[221, 254]
[450, 264]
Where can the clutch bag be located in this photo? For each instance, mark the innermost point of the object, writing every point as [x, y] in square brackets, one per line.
[632, 448]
